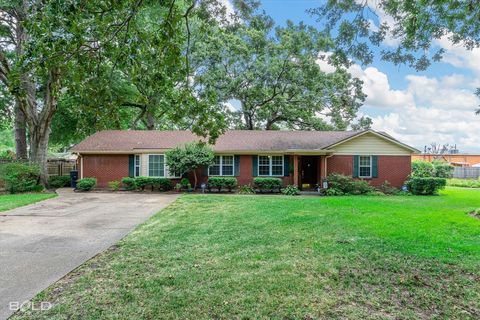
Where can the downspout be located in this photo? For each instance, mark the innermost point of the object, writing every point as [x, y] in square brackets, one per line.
[326, 172]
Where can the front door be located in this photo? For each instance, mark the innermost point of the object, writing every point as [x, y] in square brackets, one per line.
[309, 171]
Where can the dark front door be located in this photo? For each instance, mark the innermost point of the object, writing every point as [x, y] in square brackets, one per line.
[309, 171]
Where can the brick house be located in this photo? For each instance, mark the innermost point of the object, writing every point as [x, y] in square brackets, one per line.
[302, 158]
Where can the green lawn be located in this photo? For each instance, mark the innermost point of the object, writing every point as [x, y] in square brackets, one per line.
[11, 201]
[250, 257]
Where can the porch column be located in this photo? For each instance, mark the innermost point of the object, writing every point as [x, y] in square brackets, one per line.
[295, 170]
[323, 174]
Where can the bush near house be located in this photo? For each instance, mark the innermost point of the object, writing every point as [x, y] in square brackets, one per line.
[55, 182]
[339, 184]
[426, 186]
[425, 169]
[290, 190]
[129, 183]
[86, 184]
[267, 184]
[220, 183]
[114, 185]
[21, 177]
[141, 183]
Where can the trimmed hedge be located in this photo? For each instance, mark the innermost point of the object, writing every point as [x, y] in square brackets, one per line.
[59, 181]
[129, 183]
[220, 183]
[21, 177]
[86, 184]
[268, 184]
[141, 183]
[426, 186]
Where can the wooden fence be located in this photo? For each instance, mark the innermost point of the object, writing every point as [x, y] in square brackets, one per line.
[55, 167]
[466, 172]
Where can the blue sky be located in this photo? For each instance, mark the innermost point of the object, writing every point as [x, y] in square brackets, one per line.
[419, 108]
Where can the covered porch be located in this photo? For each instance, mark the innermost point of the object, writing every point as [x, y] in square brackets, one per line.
[309, 169]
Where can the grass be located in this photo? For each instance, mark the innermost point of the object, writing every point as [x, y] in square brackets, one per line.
[464, 183]
[11, 201]
[251, 257]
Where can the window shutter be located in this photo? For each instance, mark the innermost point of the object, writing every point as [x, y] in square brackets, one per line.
[131, 165]
[255, 166]
[286, 165]
[205, 171]
[374, 167]
[356, 160]
[236, 168]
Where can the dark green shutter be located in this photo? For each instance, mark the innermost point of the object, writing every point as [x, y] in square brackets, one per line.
[255, 166]
[205, 171]
[236, 162]
[374, 167]
[286, 165]
[356, 160]
[131, 165]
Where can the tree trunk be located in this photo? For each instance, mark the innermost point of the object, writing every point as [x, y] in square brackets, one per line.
[194, 179]
[150, 121]
[247, 117]
[20, 132]
[39, 136]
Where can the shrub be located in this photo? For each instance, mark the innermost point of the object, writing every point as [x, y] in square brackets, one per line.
[386, 188]
[21, 177]
[129, 183]
[422, 169]
[218, 183]
[333, 192]
[86, 184]
[465, 183]
[114, 185]
[162, 184]
[290, 190]
[142, 182]
[425, 186]
[347, 185]
[268, 184]
[246, 189]
[185, 183]
[443, 169]
[59, 181]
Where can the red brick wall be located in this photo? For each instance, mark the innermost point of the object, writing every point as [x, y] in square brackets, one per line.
[105, 168]
[246, 172]
[394, 169]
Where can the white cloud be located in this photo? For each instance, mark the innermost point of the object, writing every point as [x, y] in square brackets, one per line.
[458, 56]
[442, 111]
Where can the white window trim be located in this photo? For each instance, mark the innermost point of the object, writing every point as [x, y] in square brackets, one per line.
[221, 166]
[135, 165]
[270, 165]
[148, 167]
[364, 166]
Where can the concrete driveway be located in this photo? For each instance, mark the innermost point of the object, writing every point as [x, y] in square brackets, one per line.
[42, 242]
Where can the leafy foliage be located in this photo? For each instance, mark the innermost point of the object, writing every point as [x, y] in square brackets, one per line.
[290, 190]
[59, 181]
[129, 183]
[86, 184]
[425, 186]
[220, 183]
[20, 177]
[246, 189]
[465, 183]
[415, 26]
[114, 185]
[189, 157]
[274, 75]
[342, 185]
[267, 184]
[424, 169]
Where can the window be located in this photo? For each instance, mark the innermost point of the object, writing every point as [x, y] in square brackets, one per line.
[365, 167]
[137, 165]
[222, 166]
[270, 165]
[156, 165]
